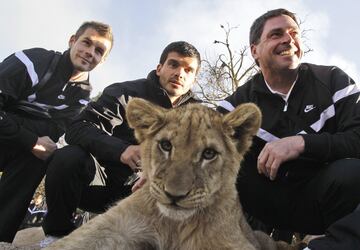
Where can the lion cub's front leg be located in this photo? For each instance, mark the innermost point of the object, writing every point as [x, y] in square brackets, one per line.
[122, 227]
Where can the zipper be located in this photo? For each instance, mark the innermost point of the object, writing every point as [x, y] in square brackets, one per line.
[285, 106]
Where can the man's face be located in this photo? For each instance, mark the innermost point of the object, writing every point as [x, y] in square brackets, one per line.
[280, 46]
[88, 50]
[177, 74]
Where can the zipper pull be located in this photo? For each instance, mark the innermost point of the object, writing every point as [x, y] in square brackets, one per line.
[285, 107]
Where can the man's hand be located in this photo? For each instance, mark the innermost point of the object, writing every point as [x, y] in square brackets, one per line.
[277, 152]
[139, 183]
[44, 147]
[131, 157]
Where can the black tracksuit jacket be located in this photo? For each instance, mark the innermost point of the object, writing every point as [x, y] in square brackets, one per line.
[19, 73]
[102, 129]
[323, 107]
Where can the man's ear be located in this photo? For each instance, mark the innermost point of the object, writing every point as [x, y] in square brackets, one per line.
[72, 40]
[158, 68]
[144, 117]
[253, 50]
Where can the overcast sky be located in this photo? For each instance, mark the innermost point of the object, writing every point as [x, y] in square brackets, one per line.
[143, 28]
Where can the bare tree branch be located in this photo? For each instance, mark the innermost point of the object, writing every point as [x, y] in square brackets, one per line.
[221, 76]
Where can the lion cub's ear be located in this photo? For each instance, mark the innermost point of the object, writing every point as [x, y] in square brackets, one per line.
[144, 117]
[242, 124]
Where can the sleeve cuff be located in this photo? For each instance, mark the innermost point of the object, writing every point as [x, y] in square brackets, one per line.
[316, 146]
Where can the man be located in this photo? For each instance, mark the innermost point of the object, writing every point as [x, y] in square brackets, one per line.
[302, 173]
[40, 92]
[102, 131]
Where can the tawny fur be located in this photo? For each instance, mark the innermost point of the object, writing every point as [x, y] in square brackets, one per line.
[206, 213]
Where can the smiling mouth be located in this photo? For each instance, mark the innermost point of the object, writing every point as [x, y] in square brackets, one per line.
[85, 60]
[287, 53]
[175, 83]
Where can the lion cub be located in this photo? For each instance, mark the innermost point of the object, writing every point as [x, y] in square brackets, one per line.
[190, 157]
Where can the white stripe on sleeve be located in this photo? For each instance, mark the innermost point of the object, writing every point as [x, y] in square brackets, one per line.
[349, 90]
[226, 105]
[29, 66]
[266, 136]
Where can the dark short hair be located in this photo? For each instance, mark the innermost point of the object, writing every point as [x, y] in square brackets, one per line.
[183, 48]
[103, 29]
[257, 27]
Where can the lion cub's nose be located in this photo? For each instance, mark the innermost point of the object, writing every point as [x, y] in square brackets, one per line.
[175, 197]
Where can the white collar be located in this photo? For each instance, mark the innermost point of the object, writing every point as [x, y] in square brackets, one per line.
[283, 96]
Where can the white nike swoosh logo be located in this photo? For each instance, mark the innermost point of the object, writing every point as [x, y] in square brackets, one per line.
[308, 109]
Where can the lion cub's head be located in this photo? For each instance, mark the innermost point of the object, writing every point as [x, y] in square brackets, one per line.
[191, 154]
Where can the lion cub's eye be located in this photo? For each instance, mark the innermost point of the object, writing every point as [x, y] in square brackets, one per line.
[165, 145]
[209, 154]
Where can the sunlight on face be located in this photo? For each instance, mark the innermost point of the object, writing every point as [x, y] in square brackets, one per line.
[88, 50]
[177, 74]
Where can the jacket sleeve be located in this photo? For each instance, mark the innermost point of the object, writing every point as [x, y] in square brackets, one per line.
[232, 101]
[66, 117]
[95, 126]
[342, 141]
[14, 80]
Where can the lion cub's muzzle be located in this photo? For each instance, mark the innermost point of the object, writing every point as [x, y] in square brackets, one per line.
[174, 198]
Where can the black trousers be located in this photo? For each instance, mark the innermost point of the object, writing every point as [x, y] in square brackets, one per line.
[341, 235]
[22, 173]
[310, 204]
[67, 187]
